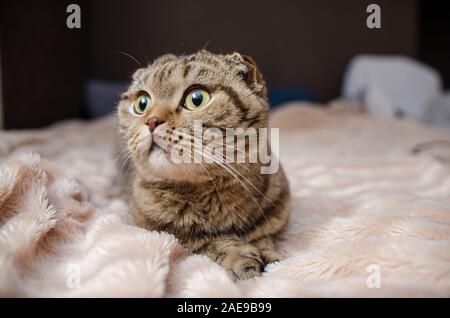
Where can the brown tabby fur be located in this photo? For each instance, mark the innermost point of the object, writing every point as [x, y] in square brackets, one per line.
[211, 212]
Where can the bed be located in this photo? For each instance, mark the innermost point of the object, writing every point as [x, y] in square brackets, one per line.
[370, 217]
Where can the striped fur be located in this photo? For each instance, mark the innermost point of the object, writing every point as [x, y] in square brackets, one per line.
[231, 217]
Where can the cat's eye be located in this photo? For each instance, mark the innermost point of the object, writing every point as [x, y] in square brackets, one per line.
[142, 104]
[196, 99]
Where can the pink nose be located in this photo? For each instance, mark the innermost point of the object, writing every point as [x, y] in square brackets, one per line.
[153, 122]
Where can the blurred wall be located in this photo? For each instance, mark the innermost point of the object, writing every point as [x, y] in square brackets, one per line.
[44, 64]
[434, 37]
[296, 43]
[1, 93]
[304, 43]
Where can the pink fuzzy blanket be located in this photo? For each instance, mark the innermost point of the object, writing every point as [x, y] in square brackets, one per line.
[369, 218]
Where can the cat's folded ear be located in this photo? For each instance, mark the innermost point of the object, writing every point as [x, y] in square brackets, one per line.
[250, 73]
[137, 75]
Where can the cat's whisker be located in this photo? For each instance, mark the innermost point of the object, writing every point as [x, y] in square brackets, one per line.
[126, 54]
[210, 178]
[223, 144]
[122, 158]
[209, 41]
[226, 168]
[232, 146]
[257, 190]
[221, 162]
[250, 183]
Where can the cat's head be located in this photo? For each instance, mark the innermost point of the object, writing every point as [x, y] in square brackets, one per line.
[222, 91]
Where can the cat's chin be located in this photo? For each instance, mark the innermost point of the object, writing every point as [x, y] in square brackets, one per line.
[160, 167]
[158, 158]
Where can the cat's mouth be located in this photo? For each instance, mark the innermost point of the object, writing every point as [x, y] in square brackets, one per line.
[157, 156]
[156, 147]
[159, 143]
[159, 149]
[171, 147]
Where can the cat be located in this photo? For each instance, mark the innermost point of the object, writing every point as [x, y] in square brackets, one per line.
[229, 212]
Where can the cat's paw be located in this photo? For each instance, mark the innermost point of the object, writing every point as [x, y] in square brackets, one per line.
[247, 264]
[245, 268]
[270, 256]
[267, 250]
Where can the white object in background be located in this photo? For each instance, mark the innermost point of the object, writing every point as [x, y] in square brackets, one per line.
[439, 114]
[392, 86]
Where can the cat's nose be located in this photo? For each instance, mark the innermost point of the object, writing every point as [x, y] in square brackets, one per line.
[153, 122]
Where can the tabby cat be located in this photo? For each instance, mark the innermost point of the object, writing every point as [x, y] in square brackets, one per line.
[227, 211]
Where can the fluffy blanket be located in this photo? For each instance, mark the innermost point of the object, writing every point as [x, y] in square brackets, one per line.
[370, 217]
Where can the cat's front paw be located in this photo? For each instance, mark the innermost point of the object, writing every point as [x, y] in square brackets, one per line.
[245, 265]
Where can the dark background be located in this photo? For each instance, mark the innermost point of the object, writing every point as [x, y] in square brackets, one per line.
[46, 66]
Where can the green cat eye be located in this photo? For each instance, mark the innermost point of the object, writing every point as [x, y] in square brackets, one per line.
[196, 99]
[142, 104]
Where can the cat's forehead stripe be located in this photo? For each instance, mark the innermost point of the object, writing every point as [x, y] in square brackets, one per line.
[163, 73]
[171, 69]
[176, 68]
[204, 72]
[186, 70]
